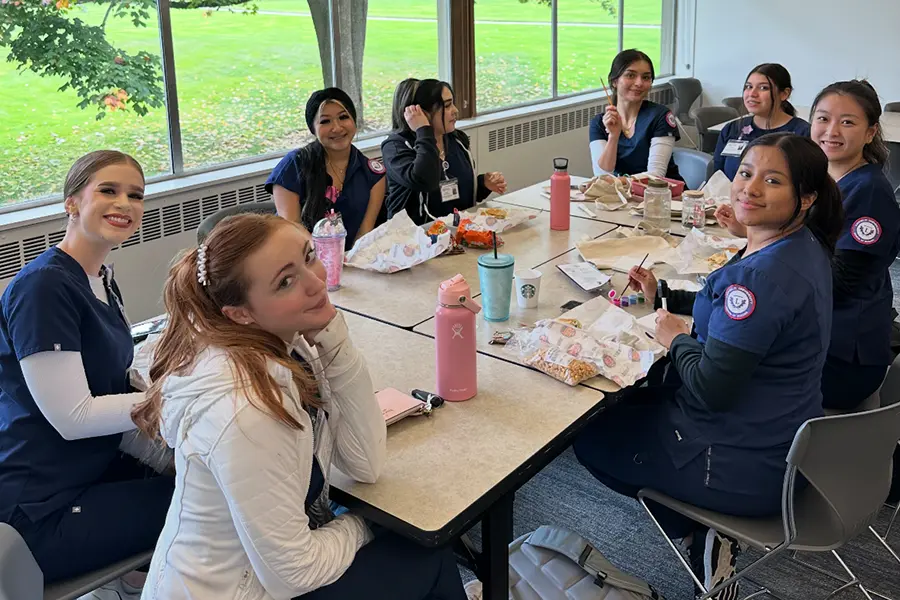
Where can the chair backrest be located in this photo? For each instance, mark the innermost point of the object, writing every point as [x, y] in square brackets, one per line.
[737, 103]
[707, 116]
[687, 90]
[693, 165]
[254, 207]
[892, 107]
[890, 387]
[848, 460]
[20, 576]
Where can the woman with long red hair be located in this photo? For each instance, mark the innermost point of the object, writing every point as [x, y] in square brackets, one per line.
[259, 389]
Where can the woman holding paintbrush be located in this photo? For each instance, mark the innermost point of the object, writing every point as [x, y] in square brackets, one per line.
[715, 433]
[633, 135]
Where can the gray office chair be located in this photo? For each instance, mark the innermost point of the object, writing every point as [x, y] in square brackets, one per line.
[209, 222]
[707, 116]
[847, 461]
[21, 577]
[892, 107]
[737, 103]
[693, 165]
[687, 91]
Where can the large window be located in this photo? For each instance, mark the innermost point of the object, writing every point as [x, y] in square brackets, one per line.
[42, 129]
[184, 87]
[520, 60]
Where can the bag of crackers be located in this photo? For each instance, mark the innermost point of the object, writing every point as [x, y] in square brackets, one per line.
[566, 351]
[556, 347]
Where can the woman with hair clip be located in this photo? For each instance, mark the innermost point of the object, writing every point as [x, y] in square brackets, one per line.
[846, 125]
[329, 172]
[65, 392]
[258, 387]
[717, 431]
[633, 135]
[430, 168]
[766, 92]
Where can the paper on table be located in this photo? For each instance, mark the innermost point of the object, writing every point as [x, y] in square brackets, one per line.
[648, 322]
[494, 219]
[394, 246]
[718, 188]
[684, 284]
[703, 253]
[608, 253]
[586, 275]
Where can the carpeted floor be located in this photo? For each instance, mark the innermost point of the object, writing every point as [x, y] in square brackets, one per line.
[565, 494]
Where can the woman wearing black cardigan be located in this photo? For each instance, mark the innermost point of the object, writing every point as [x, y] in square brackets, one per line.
[429, 166]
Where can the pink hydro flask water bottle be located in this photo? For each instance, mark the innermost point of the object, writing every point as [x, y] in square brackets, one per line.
[454, 332]
[560, 198]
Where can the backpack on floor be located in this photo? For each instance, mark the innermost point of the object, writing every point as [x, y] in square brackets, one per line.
[555, 564]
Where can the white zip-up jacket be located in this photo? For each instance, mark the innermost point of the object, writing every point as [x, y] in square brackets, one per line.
[237, 526]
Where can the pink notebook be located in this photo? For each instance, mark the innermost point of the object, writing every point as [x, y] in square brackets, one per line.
[395, 405]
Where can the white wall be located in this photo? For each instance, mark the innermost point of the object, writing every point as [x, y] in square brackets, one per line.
[819, 41]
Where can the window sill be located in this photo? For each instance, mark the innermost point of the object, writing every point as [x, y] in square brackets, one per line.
[39, 213]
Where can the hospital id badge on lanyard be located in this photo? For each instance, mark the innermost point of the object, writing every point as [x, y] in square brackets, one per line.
[449, 187]
[735, 147]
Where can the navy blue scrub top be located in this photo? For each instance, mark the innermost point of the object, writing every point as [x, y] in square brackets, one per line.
[775, 303]
[745, 129]
[632, 154]
[50, 306]
[352, 202]
[862, 323]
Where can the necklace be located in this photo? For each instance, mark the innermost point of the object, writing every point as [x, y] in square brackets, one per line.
[853, 168]
[337, 173]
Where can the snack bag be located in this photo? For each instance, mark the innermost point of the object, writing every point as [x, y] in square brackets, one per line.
[469, 236]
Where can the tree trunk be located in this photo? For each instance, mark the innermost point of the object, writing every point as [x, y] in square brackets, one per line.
[350, 27]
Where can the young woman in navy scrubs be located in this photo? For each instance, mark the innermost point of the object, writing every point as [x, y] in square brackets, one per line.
[845, 124]
[65, 396]
[430, 169]
[329, 172]
[717, 432]
[633, 135]
[766, 92]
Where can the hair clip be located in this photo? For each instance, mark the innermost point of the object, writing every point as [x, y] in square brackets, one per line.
[201, 265]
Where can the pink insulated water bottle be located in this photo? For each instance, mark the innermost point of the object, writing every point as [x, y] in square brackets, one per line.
[560, 199]
[454, 333]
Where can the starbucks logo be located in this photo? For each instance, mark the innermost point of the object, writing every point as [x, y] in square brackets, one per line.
[528, 291]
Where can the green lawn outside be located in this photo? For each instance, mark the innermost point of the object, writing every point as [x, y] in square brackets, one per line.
[243, 81]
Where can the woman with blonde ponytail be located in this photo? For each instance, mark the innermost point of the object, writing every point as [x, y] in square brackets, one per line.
[259, 389]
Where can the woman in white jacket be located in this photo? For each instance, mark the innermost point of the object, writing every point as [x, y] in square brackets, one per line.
[258, 388]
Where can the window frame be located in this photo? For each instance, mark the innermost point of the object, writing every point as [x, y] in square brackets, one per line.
[456, 63]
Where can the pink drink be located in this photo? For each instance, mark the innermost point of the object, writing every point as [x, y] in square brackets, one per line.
[329, 235]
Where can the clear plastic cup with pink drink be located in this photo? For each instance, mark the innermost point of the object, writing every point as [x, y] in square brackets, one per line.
[329, 235]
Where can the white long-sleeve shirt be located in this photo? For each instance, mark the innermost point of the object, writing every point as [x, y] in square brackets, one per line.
[661, 149]
[58, 383]
[237, 527]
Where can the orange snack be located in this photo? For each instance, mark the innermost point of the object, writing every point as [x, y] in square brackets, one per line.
[438, 228]
[475, 239]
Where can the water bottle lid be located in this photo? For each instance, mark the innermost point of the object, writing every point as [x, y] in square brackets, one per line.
[561, 164]
[453, 289]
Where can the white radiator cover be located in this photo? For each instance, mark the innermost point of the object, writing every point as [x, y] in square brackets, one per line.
[522, 149]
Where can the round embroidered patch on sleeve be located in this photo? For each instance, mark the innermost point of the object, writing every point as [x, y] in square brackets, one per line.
[739, 302]
[376, 166]
[670, 119]
[866, 231]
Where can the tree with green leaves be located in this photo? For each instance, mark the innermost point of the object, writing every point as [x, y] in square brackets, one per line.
[45, 37]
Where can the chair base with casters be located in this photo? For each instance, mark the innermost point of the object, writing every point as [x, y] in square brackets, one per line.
[842, 498]
[21, 577]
